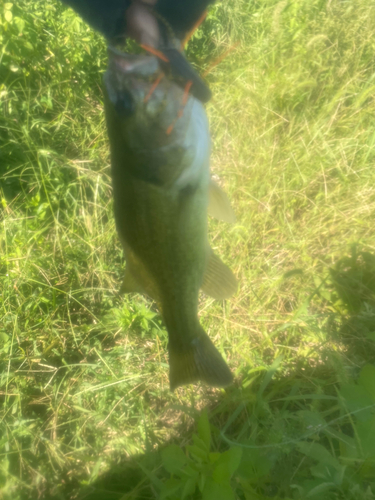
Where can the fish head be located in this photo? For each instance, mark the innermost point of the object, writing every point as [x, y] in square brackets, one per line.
[145, 110]
[160, 127]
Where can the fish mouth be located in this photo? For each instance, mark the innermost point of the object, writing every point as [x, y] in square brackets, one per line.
[126, 64]
[128, 78]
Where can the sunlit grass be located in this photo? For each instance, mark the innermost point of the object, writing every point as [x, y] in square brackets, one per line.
[84, 382]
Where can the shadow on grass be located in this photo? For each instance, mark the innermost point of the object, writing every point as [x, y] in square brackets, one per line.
[281, 411]
[276, 416]
[127, 480]
[353, 297]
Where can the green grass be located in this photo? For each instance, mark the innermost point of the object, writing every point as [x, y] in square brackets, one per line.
[85, 407]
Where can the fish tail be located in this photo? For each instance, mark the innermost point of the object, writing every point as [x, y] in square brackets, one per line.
[200, 360]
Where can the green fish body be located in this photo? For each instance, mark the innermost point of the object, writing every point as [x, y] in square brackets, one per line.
[161, 184]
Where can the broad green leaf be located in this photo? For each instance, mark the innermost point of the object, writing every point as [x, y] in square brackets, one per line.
[152, 476]
[173, 459]
[221, 474]
[3, 337]
[357, 400]
[200, 443]
[189, 487]
[321, 471]
[318, 453]
[367, 380]
[214, 457]
[328, 474]
[20, 23]
[204, 431]
[318, 490]
[366, 436]
[215, 491]
[197, 453]
[170, 487]
[201, 482]
[8, 16]
[227, 464]
[27, 45]
[254, 465]
[338, 476]
[370, 335]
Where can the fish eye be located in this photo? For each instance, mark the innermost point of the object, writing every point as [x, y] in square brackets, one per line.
[125, 105]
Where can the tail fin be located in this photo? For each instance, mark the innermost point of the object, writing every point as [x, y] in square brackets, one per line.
[198, 361]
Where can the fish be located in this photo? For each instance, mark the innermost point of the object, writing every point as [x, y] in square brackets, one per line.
[160, 151]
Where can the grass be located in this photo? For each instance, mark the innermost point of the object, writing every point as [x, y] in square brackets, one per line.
[85, 407]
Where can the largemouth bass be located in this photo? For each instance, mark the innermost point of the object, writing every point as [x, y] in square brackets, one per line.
[161, 184]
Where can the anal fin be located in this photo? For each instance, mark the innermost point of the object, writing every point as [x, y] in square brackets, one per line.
[219, 281]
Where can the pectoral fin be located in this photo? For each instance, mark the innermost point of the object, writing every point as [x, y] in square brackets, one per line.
[219, 204]
[130, 283]
[219, 281]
